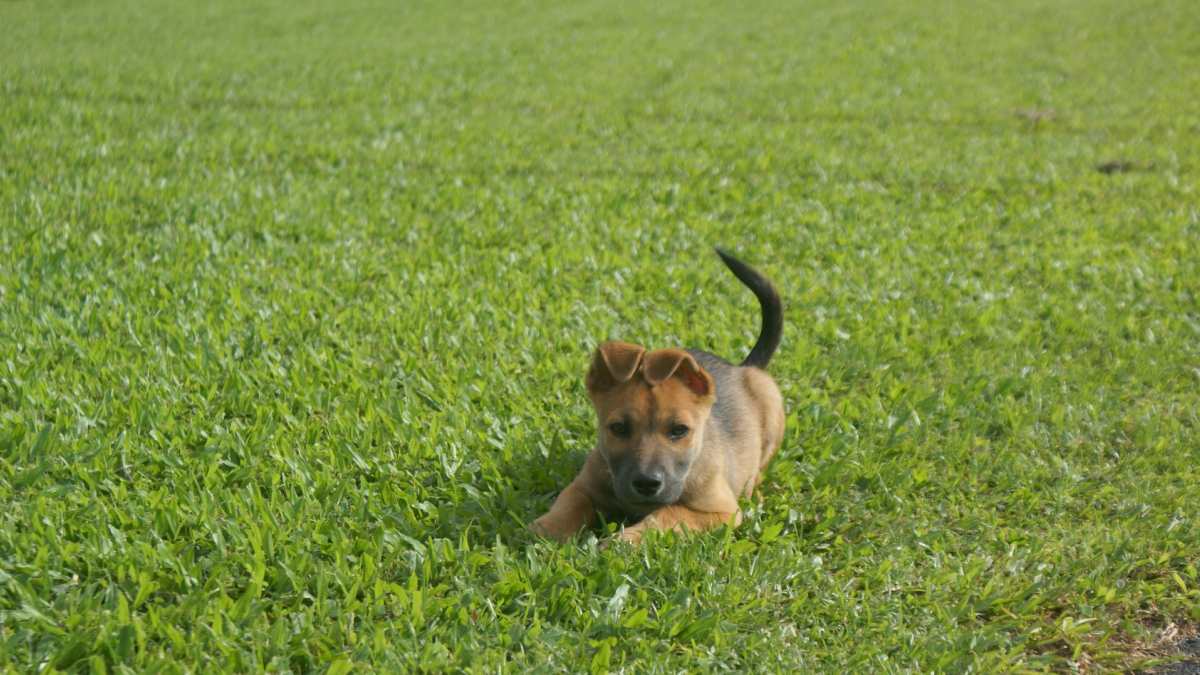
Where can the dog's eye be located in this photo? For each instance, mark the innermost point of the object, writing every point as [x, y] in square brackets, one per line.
[678, 431]
[619, 429]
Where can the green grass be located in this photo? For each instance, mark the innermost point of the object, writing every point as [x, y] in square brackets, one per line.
[296, 301]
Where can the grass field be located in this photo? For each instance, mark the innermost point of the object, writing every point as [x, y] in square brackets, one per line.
[296, 299]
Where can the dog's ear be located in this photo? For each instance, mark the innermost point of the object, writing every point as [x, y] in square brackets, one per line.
[613, 363]
[661, 364]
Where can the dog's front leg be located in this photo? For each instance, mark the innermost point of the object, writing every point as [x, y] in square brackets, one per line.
[678, 518]
[572, 512]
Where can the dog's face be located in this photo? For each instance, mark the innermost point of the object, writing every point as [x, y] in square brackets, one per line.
[651, 408]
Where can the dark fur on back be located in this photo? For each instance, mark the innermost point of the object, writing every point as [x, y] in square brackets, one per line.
[725, 377]
[730, 415]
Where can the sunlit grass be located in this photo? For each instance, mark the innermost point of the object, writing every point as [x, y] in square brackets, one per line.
[296, 301]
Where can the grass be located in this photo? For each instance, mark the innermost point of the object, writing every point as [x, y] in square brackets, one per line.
[296, 300]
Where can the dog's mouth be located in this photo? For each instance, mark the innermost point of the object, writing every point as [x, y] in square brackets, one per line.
[644, 506]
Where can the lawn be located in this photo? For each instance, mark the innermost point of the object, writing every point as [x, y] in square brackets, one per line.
[296, 300]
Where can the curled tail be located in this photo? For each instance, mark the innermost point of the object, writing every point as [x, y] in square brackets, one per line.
[772, 310]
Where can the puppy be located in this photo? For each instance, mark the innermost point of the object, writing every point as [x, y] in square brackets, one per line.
[682, 433]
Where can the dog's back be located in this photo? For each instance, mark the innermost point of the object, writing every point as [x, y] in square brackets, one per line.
[747, 421]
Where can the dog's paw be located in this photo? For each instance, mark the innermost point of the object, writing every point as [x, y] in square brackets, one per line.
[632, 535]
[551, 528]
[629, 535]
[542, 528]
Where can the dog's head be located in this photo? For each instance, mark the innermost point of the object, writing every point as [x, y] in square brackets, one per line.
[651, 408]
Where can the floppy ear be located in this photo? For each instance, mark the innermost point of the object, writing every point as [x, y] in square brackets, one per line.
[661, 364]
[613, 363]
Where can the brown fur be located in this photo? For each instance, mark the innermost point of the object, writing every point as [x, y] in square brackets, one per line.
[734, 422]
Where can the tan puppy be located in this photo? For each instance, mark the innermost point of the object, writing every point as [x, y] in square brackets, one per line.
[683, 434]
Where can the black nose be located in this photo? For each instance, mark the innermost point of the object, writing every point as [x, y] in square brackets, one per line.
[647, 484]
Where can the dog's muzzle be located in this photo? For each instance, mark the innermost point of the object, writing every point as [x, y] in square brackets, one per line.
[647, 485]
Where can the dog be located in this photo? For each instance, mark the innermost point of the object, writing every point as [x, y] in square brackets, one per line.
[682, 433]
